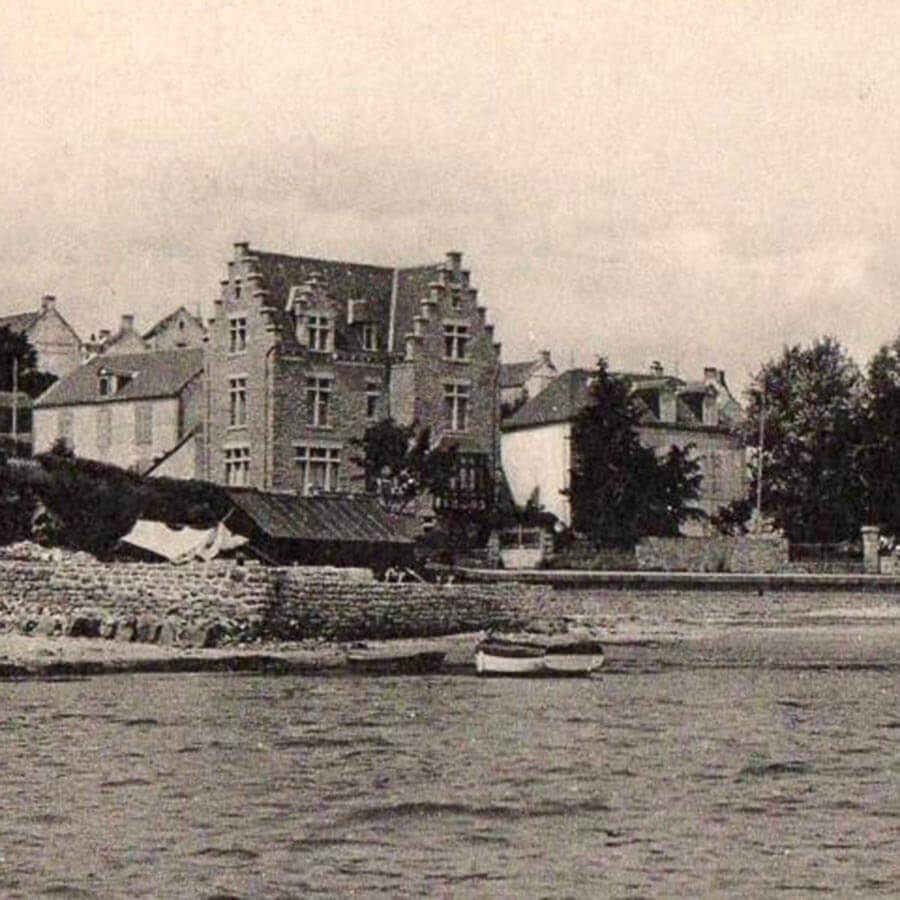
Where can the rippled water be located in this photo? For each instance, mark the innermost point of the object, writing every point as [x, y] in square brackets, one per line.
[685, 780]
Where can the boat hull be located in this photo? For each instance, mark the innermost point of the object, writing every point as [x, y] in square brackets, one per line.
[547, 665]
[378, 663]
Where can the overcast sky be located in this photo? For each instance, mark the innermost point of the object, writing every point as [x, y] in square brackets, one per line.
[693, 182]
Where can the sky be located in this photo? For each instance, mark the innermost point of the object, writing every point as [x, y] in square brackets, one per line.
[697, 182]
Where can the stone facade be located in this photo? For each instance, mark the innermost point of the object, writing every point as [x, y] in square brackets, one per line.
[215, 603]
[305, 354]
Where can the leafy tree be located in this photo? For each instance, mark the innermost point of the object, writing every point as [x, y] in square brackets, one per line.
[621, 490]
[16, 347]
[811, 400]
[399, 465]
[877, 454]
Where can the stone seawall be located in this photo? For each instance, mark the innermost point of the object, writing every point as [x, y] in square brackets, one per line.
[206, 605]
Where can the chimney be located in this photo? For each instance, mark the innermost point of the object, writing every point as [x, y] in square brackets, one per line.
[241, 249]
[711, 375]
[104, 335]
[127, 323]
[454, 260]
[545, 358]
[48, 302]
[656, 368]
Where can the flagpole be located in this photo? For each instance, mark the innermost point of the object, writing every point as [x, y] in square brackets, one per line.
[15, 406]
[759, 455]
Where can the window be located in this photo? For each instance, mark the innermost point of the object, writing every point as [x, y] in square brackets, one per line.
[237, 334]
[237, 290]
[237, 466]
[106, 384]
[237, 401]
[143, 423]
[369, 341]
[318, 329]
[104, 427]
[456, 406]
[456, 339]
[318, 390]
[373, 392]
[318, 468]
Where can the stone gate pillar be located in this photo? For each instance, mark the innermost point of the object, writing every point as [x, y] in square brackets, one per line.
[870, 549]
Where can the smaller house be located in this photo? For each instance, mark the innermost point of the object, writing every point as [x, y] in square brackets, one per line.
[57, 345]
[536, 440]
[177, 330]
[519, 381]
[127, 409]
[338, 530]
[125, 340]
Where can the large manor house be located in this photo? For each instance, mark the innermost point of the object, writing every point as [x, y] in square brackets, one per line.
[302, 355]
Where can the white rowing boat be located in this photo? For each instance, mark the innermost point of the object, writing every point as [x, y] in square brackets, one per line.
[496, 656]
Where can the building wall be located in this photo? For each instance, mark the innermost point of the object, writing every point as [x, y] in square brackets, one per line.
[58, 347]
[123, 449]
[276, 366]
[722, 464]
[538, 459]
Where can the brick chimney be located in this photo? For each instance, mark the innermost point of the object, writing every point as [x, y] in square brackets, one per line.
[48, 302]
[656, 368]
[127, 323]
[545, 358]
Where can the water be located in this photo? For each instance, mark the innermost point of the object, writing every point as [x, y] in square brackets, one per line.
[716, 772]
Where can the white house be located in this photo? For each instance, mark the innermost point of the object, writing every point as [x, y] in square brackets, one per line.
[536, 440]
[128, 409]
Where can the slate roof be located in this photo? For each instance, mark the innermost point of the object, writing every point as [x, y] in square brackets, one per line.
[516, 374]
[19, 323]
[347, 281]
[568, 394]
[342, 519]
[162, 373]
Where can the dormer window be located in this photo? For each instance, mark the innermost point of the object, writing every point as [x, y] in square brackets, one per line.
[319, 332]
[110, 383]
[369, 337]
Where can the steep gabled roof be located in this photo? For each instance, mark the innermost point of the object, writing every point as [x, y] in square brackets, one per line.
[162, 373]
[162, 323]
[560, 401]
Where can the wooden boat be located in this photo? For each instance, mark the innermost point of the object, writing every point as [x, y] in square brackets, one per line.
[377, 661]
[496, 656]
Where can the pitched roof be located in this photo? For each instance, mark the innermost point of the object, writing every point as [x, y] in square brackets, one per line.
[19, 323]
[182, 310]
[343, 519]
[516, 374]
[162, 373]
[568, 394]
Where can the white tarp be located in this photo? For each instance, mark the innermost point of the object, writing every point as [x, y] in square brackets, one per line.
[181, 545]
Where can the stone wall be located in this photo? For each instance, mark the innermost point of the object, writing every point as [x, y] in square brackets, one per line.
[217, 603]
[713, 554]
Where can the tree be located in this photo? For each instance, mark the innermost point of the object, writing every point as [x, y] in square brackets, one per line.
[877, 454]
[29, 380]
[399, 465]
[621, 490]
[811, 401]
